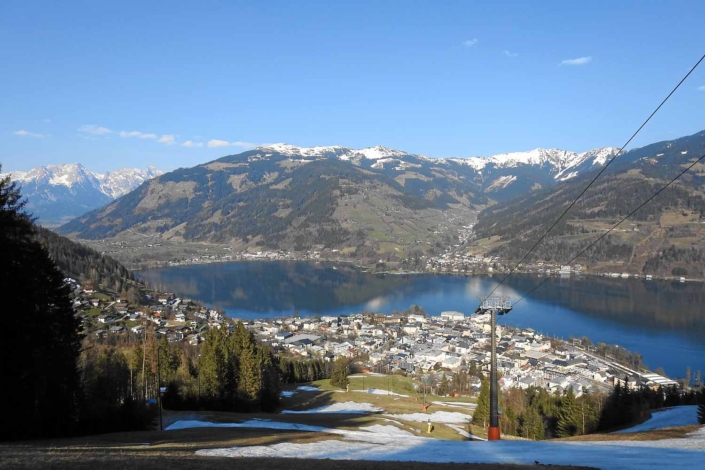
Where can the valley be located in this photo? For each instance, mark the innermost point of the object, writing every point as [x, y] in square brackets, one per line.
[352, 235]
[392, 210]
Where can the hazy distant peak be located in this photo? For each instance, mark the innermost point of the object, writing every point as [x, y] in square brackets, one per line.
[38, 182]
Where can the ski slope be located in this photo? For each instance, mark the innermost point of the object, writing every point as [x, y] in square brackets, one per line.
[389, 443]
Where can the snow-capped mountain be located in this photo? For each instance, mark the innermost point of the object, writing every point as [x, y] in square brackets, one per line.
[58, 192]
[120, 182]
[502, 176]
[558, 160]
[343, 153]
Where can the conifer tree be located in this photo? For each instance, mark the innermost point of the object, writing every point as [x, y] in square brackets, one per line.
[270, 389]
[250, 379]
[339, 377]
[39, 356]
[482, 412]
[532, 424]
[568, 415]
[701, 406]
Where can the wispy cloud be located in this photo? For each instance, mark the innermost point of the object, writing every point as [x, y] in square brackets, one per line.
[137, 134]
[510, 54]
[190, 144]
[245, 145]
[701, 88]
[215, 143]
[46, 120]
[34, 135]
[470, 42]
[168, 139]
[578, 61]
[94, 130]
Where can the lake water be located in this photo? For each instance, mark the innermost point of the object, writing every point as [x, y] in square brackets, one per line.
[663, 321]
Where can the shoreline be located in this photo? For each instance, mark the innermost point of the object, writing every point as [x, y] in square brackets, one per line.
[367, 269]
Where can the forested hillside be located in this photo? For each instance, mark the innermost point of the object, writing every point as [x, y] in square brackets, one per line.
[81, 262]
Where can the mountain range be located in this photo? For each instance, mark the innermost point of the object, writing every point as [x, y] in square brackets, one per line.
[57, 193]
[363, 202]
[381, 203]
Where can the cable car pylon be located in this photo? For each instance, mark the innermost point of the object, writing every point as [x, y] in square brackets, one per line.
[494, 305]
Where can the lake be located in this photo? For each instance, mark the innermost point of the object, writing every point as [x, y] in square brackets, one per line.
[663, 321]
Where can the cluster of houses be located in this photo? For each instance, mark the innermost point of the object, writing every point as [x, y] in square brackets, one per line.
[178, 319]
[448, 343]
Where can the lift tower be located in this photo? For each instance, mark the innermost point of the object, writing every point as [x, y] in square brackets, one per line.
[494, 305]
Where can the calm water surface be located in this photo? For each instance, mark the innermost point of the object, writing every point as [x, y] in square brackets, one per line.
[663, 321]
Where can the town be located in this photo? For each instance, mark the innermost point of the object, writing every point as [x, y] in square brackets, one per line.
[408, 342]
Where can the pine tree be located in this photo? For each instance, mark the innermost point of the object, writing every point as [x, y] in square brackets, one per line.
[339, 377]
[532, 424]
[701, 407]
[482, 412]
[568, 415]
[39, 357]
[270, 389]
[250, 379]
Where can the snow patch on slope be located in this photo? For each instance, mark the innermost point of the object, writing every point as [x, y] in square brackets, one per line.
[570, 175]
[501, 182]
[345, 407]
[677, 416]
[437, 417]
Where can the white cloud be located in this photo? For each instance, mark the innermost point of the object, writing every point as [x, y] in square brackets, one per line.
[168, 139]
[246, 145]
[46, 120]
[470, 42]
[94, 130]
[138, 134]
[510, 54]
[190, 143]
[215, 143]
[578, 61]
[701, 88]
[24, 133]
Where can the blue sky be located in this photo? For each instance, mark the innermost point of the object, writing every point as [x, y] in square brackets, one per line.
[115, 84]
